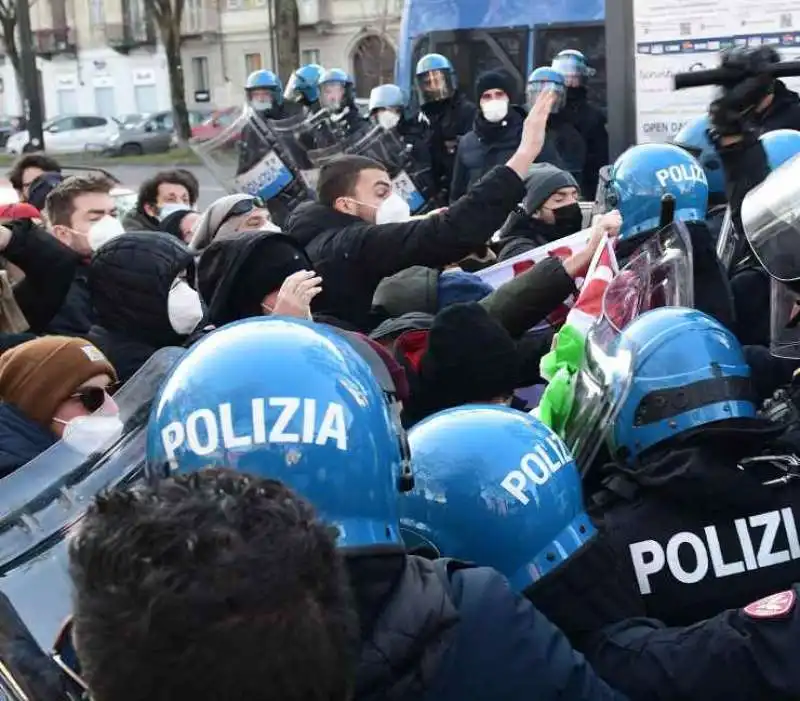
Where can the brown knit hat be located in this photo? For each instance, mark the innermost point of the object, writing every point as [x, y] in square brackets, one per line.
[40, 375]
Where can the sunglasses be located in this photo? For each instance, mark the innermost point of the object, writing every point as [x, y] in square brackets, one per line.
[242, 207]
[92, 398]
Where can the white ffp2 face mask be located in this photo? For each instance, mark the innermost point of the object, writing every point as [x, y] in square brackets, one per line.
[393, 210]
[495, 110]
[90, 434]
[171, 208]
[388, 119]
[184, 308]
[104, 230]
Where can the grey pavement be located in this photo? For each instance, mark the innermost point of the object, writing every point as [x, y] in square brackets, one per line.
[132, 175]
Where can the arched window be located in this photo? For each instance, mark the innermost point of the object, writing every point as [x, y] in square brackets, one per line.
[373, 63]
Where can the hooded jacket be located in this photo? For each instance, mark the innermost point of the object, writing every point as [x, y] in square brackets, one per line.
[130, 278]
[353, 256]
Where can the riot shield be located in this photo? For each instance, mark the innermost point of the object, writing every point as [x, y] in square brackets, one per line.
[245, 158]
[45, 498]
[771, 221]
[386, 147]
[296, 136]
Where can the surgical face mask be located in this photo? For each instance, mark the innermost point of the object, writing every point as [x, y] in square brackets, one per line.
[184, 308]
[388, 119]
[261, 105]
[495, 110]
[568, 219]
[393, 210]
[90, 434]
[104, 230]
[170, 208]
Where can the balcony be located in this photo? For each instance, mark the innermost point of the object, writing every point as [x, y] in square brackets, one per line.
[124, 37]
[200, 23]
[314, 14]
[48, 43]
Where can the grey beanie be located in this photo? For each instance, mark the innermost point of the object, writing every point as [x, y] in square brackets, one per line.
[542, 181]
[210, 226]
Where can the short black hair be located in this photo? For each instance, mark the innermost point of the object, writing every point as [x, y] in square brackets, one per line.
[338, 177]
[214, 585]
[31, 160]
[148, 190]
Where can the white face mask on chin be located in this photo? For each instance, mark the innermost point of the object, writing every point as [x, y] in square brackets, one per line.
[393, 210]
[495, 110]
[184, 308]
[104, 230]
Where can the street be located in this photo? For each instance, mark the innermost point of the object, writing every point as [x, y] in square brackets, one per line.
[132, 175]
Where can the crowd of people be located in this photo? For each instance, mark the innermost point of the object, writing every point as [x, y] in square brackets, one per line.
[339, 487]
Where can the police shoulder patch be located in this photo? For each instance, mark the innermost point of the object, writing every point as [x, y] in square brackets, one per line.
[773, 606]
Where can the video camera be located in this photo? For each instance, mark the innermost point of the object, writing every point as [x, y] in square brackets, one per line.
[728, 76]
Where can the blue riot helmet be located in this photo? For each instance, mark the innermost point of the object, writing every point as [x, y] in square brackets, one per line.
[435, 78]
[303, 84]
[495, 486]
[295, 401]
[694, 139]
[780, 146]
[688, 371]
[386, 105]
[572, 64]
[547, 78]
[638, 180]
[336, 89]
[264, 90]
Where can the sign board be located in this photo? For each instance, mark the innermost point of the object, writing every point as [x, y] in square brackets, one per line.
[673, 36]
[202, 96]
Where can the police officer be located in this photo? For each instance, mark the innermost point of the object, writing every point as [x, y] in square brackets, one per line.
[635, 185]
[565, 138]
[264, 93]
[448, 113]
[517, 506]
[327, 424]
[337, 95]
[302, 87]
[589, 120]
[705, 523]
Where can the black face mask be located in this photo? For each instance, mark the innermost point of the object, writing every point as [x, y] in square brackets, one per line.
[568, 219]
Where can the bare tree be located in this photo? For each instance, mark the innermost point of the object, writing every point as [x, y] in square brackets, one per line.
[168, 15]
[8, 28]
[374, 56]
[287, 37]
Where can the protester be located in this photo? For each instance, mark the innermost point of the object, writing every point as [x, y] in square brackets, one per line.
[141, 299]
[27, 168]
[359, 232]
[181, 223]
[46, 384]
[228, 217]
[159, 196]
[242, 586]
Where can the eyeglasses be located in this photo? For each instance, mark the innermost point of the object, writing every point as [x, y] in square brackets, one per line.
[92, 398]
[242, 207]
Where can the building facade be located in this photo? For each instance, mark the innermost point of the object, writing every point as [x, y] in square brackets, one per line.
[104, 57]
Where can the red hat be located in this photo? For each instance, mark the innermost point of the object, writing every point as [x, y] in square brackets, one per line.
[20, 210]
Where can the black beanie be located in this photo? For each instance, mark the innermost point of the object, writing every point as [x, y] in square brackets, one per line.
[494, 80]
[543, 180]
[470, 358]
[171, 224]
[264, 271]
[41, 187]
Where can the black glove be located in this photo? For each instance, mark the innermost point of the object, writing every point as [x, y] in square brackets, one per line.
[731, 112]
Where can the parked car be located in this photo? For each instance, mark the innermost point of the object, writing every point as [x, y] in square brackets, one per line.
[9, 126]
[131, 119]
[68, 135]
[215, 124]
[155, 133]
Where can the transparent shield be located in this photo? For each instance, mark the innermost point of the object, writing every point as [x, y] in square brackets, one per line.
[294, 137]
[600, 389]
[243, 157]
[784, 321]
[601, 198]
[660, 274]
[727, 243]
[771, 221]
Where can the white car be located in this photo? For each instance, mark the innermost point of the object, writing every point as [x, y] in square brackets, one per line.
[71, 134]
